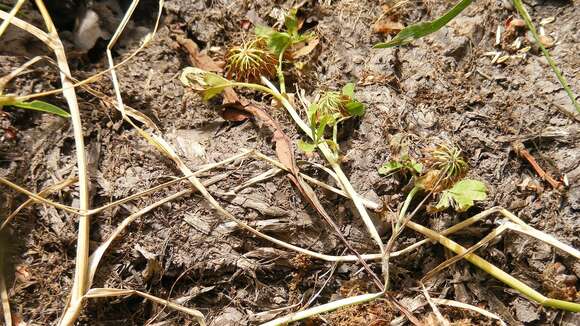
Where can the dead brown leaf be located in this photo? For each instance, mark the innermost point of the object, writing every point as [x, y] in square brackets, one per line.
[234, 114]
[305, 49]
[198, 58]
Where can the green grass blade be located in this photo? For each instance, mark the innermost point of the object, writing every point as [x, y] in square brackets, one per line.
[41, 106]
[416, 31]
[528, 20]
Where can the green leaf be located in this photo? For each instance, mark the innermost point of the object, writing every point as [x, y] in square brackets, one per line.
[416, 31]
[306, 147]
[279, 41]
[333, 145]
[418, 167]
[462, 195]
[263, 31]
[348, 90]
[212, 92]
[324, 121]
[390, 168]
[355, 108]
[312, 109]
[291, 22]
[208, 83]
[42, 107]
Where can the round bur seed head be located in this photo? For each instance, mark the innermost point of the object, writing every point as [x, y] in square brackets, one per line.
[249, 61]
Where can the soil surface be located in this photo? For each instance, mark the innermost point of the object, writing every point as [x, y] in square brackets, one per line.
[442, 88]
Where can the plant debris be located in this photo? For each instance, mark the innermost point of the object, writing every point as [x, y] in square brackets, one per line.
[342, 171]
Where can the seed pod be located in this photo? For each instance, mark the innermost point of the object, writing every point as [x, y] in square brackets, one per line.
[445, 165]
[249, 61]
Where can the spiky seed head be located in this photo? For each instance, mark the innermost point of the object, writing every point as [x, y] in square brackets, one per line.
[445, 167]
[250, 60]
[333, 103]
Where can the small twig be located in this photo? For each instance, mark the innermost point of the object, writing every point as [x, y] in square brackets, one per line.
[38, 198]
[521, 150]
[323, 308]
[44, 38]
[315, 295]
[366, 202]
[457, 304]
[7, 78]
[440, 318]
[109, 292]
[11, 16]
[45, 192]
[259, 178]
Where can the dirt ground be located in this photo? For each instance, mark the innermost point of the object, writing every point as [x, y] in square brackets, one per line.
[440, 88]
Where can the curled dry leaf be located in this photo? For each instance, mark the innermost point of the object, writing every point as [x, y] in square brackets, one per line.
[306, 48]
[198, 58]
[234, 114]
[208, 83]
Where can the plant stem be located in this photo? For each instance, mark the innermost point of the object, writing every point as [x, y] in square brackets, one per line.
[499, 274]
[323, 308]
[281, 78]
[405, 207]
[326, 152]
[528, 20]
[82, 254]
[13, 13]
[330, 157]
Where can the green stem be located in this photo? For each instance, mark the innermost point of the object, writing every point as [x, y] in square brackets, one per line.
[494, 271]
[280, 72]
[332, 160]
[528, 20]
[449, 244]
[256, 87]
[326, 152]
[405, 207]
